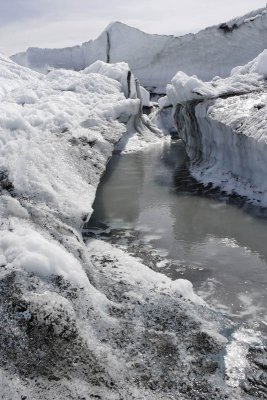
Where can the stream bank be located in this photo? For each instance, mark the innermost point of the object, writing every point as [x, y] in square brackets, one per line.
[150, 205]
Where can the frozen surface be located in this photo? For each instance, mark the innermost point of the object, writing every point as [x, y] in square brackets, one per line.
[155, 59]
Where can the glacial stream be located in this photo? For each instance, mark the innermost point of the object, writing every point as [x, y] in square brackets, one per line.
[148, 204]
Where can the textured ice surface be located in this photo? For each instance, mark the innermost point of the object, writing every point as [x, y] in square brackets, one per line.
[155, 59]
[81, 322]
[223, 123]
[71, 327]
[57, 132]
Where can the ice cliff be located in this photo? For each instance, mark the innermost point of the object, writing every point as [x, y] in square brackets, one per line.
[223, 124]
[155, 59]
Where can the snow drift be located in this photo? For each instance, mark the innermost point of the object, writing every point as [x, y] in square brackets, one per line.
[154, 59]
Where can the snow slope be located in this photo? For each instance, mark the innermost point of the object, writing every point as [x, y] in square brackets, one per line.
[223, 123]
[155, 59]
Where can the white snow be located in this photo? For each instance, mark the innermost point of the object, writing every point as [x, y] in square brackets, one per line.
[27, 250]
[154, 59]
[145, 97]
[45, 118]
[10, 206]
[238, 128]
[235, 358]
[57, 132]
[11, 76]
[118, 72]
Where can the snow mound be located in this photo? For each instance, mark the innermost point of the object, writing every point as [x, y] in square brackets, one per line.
[28, 250]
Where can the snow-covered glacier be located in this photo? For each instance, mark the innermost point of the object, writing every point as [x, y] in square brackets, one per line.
[154, 59]
[86, 321]
[223, 124]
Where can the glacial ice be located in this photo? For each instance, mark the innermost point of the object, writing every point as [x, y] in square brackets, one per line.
[223, 123]
[154, 59]
[90, 321]
[74, 318]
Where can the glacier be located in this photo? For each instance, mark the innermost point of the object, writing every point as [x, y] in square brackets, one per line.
[155, 59]
[86, 320]
[223, 124]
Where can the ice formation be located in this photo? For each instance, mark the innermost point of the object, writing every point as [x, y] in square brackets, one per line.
[154, 59]
[223, 123]
[88, 320]
[83, 321]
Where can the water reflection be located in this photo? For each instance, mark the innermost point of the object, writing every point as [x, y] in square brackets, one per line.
[215, 241]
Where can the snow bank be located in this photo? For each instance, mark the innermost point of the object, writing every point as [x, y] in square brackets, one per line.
[11, 76]
[28, 250]
[136, 274]
[57, 132]
[154, 59]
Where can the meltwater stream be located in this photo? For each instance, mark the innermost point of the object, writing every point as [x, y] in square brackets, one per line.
[148, 204]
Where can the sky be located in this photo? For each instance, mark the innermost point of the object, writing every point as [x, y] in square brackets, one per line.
[61, 23]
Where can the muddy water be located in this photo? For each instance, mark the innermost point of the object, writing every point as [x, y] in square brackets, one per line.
[148, 204]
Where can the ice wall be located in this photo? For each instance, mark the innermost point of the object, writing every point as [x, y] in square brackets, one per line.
[154, 59]
[233, 159]
[223, 124]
